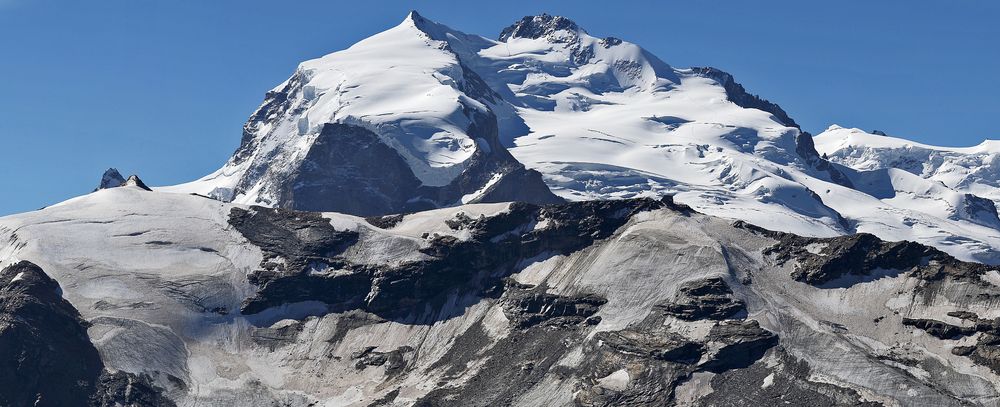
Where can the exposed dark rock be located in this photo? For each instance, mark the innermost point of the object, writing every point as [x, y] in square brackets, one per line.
[519, 362]
[111, 179]
[742, 344]
[858, 254]
[299, 239]
[385, 222]
[539, 26]
[658, 360]
[805, 147]
[394, 360]
[46, 358]
[862, 254]
[738, 95]
[530, 308]
[666, 346]
[943, 330]
[462, 221]
[134, 181]
[966, 315]
[387, 399]
[291, 241]
[783, 382]
[296, 244]
[275, 337]
[126, 389]
[980, 210]
[940, 329]
[985, 352]
[275, 102]
[476, 87]
[608, 42]
[337, 175]
[709, 298]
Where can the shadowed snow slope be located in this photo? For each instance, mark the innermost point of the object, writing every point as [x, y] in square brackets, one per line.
[617, 302]
[421, 116]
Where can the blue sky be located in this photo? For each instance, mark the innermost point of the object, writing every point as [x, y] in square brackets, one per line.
[162, 88]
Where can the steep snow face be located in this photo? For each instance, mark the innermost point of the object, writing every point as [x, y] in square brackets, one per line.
[401, 84]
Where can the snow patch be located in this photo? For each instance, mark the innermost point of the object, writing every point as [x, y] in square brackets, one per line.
[467, 198]
[617, 380]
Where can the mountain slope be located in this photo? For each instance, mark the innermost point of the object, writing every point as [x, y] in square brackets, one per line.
[622, 302]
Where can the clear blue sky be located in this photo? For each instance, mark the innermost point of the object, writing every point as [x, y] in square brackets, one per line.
[162, 88]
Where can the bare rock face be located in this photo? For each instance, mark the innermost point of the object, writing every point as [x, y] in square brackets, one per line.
[782, 381]
[527, 308]
[111, 179]
[47, 358]
[709, 298]
[537, 27]
[305, 243]
[126, 389]
[338, 176]
[820, 261]
[742, 344]
[134, 181]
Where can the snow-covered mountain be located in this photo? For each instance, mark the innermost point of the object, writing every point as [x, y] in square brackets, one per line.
[648, 277]
[418, 116]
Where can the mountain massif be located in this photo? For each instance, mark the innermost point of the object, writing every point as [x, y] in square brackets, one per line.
[550, 218]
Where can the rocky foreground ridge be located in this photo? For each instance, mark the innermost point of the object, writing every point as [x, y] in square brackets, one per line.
[186, 300]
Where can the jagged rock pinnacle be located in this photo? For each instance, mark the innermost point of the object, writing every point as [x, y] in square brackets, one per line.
[538, 26]
[134, 181]
[111, 179]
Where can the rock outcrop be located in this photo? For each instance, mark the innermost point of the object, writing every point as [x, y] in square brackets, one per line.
[111, 179]
[46, 356]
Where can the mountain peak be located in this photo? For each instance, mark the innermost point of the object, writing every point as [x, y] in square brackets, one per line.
[430, 28]
[414, 18]
[134, 181]
[111, 179]
[538, 26]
